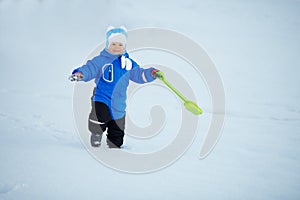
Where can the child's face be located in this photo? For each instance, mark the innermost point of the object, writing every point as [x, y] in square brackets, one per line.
[116, 48]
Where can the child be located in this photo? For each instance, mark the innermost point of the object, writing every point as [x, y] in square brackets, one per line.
[112, 70]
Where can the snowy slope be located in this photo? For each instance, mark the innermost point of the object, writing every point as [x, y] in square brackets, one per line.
[255, 46]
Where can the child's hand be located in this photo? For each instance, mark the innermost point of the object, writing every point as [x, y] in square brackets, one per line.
[76, 76]
[156, 74]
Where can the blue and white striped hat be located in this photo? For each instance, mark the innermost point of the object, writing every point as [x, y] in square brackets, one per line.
[116, 34]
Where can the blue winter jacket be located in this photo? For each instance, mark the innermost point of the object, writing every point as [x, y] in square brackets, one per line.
[112, 80]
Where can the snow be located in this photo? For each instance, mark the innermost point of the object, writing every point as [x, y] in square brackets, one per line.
[255, 46]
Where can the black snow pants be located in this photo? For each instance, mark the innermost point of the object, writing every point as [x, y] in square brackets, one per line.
[100, 119]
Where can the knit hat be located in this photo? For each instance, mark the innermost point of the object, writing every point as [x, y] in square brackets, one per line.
[116, 34]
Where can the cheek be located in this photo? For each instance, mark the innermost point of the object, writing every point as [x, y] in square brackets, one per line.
[112, 48]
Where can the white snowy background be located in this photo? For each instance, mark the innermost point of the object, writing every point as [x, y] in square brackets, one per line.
[255, 46]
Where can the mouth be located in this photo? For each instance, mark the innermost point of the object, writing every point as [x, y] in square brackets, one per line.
[117, 51]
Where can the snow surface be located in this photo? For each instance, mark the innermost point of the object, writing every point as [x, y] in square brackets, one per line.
[255, 46]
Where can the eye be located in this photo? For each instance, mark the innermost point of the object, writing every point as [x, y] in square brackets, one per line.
[120, 44]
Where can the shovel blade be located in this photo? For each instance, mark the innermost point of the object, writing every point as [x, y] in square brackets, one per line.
[193, 107]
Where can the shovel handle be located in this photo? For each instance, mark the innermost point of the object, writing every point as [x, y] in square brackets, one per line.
[189, 105]
[175, 90]
[162, 78]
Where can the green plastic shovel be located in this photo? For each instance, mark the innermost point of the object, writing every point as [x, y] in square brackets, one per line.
[189, 105]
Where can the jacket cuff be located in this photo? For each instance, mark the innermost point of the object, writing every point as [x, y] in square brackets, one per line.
[148, 75]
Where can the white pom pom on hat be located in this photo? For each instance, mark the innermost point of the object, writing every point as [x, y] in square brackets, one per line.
[116, 34]
[109, 28]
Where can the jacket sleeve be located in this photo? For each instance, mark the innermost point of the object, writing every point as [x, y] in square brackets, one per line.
[140, 75]
[90, 70]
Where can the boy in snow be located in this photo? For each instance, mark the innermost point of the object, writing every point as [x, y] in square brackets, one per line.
[112, 70]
